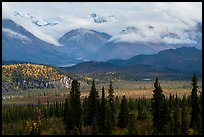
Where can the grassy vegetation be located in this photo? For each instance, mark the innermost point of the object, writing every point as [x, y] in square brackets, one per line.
[133, 89]
[51, 126]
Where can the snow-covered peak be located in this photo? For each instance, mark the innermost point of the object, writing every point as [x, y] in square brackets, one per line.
[82, 31]
[101, 19]
[34, 20]
[78, 33]
[15, 13]
[96, 18]
[44, 23]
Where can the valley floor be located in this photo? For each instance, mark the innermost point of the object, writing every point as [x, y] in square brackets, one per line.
[131, 89]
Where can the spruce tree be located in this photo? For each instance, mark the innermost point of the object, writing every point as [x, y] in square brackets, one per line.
[85, 111]
[102, 112]
[68, 117]
[117, 105]
[177, 121]
[184, 119]
[194, 102]
[112, 105]
[108, 127]
[123, 115]
[75, 103]
[131, 105]
[93, 104]
[199, 124]
[142, 110]
[158, 108]
[132, 130]
[95, 130]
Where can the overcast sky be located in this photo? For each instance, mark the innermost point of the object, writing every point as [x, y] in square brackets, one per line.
[166, 16]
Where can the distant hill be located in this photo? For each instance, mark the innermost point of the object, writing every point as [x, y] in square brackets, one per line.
[178, 63]
[92, 67]
[185, 59]
[137, 71]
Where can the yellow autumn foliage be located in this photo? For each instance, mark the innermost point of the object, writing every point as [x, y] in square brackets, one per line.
[39, 72]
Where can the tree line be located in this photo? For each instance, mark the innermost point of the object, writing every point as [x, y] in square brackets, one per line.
[110, 114]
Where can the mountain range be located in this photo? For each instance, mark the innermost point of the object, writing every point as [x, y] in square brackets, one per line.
[184, 59]
[18, 44]
[83, 44]
[172, 63]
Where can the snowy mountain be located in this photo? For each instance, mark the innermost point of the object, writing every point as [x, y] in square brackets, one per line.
[97, 18]
[18, 44]
[101, 19]
[34, 20]
[132, 41]
[81, 42]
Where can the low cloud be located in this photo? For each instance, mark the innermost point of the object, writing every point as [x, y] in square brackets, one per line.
[15, 35]
[166, 17]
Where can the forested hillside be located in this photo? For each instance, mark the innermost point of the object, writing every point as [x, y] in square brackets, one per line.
[24, 76]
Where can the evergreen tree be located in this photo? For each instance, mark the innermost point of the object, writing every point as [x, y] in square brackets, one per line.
[199, 124]
[158, 108]
[112, 105]
[142, 110]
[75, 103]
[72, 110]
[123, 115]
[108, 128]
[102, 111]
[184, 119]
[177, 121]
[117, 105]
[194, 102]
[171, 111]
[132, 130]
[95, 127]
[93, 102]
[68, 117]
[85, 110]
[131, 105]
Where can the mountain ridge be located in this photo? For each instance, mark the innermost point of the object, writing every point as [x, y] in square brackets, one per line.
[174, 63]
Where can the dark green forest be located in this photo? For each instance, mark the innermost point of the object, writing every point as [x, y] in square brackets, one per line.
[101, 114]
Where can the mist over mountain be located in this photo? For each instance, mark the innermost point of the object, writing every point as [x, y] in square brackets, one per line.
[132, 41]
[83, 44]
[18, 44]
